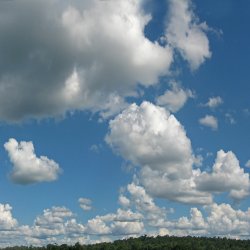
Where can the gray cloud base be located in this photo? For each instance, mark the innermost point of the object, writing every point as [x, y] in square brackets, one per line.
[56, 57]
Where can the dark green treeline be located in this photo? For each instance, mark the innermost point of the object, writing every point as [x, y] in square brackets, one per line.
[153, 243]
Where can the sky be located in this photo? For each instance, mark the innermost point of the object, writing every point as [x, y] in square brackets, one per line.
[123, 118]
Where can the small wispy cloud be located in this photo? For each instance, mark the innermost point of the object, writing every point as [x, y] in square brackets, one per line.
[175, 98]
[85, 204]
[230, 118]
[209, 121]
[247, 164]
[214, 102]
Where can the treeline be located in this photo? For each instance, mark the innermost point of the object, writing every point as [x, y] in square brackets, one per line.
[153, 243]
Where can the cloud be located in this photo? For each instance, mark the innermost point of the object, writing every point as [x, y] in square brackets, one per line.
[124, 201]
[59, 224]
[27, 167]
[56, 223]
[186, 34]
[9, 228]
[150, 137]
[217, 220]
[247, 164]
[52, 217]
[144, 203]
[223, 220]
[214, 102]
[123, 222]
[88, 56]
[7, 222]
[230, 118]
[175, 98]
[53, 225]
[85, 204]
[127, 228]
[97, 226]
[209, 121]
[57, 57]
[183, 190]
[127, 215]
[226, 176]
[195, 225]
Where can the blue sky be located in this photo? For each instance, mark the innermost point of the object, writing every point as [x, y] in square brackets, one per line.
[123, 118]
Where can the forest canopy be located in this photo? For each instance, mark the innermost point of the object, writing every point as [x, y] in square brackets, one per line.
[152, 243]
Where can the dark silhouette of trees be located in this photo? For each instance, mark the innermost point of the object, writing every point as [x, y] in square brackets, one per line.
[152, 243]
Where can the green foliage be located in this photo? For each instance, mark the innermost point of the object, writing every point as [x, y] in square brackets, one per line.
[153, 243]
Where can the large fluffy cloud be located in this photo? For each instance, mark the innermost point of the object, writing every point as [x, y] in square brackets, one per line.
[150, 137]
[87, 55]
[186, 34]
[27, 167]
[57, 56]
[227, 176]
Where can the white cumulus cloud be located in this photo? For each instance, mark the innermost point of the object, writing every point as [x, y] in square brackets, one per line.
[53, 216]
[127, 228]
[186, 34]
[55, 223]
[214, 102]
[150, 137]
[77, 55]
[145, 204]
[88, 55]
[124, 201]
[227, 176]
[223, 220]
[59, 224]
[175, 98]
[123, 222]
[216, 220]
[7, 221]
[27, 167]
[195, 225]
[209, 121]
[97, 226]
